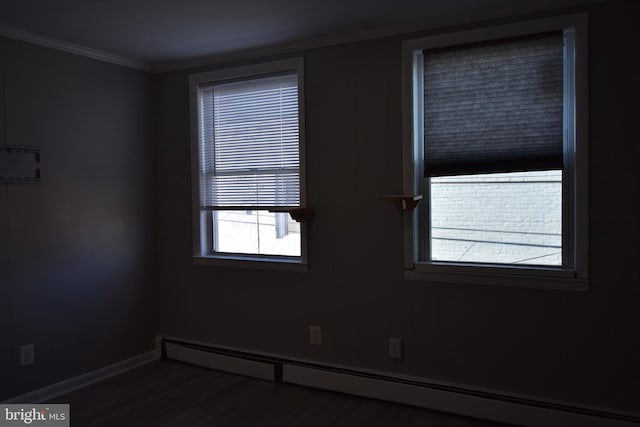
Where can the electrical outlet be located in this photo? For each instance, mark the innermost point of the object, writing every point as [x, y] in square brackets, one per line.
[315, 335]
[395, 348]
[27, 355]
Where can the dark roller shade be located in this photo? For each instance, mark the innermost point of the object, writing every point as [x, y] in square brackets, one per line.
[494, 107]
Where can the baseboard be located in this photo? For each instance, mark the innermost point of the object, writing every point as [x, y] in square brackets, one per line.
[422, 392]
[493, 409]
[46, 394]
[221, 362]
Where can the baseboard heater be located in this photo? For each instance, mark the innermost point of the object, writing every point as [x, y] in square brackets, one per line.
[422, 393]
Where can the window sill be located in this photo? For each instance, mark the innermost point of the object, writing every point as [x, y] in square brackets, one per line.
[276, 264]
[536, 278]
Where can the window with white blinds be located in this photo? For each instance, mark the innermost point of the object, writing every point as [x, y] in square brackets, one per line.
[249, 144]
[247, 163]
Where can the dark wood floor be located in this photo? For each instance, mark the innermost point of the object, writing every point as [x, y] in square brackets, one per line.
[169, 393]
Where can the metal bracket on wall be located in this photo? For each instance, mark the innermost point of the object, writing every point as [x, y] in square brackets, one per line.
[406, 203]
[298, 214]
[19, 165]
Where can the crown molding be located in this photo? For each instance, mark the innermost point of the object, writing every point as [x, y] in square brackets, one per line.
[99, 55]
[284, 48]
[451, 22]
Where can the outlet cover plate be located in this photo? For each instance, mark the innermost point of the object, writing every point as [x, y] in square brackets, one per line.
[315, 335]
[27, 355]
[395, 348]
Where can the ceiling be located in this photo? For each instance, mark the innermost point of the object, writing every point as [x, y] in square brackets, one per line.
[156, 32]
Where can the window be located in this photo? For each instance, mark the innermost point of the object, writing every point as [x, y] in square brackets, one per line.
[496, 145]
[248, 167]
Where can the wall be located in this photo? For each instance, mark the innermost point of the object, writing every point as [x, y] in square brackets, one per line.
[580, 347]
[76, 249]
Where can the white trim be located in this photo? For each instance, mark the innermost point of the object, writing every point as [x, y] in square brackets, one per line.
[44, 41]
[63, 387]
[253, 263]
[501, 277]
[497, 32]
[235, 365]
[290, 47]
[392, 379]
[248, 71]
[443, 400]
[286, 48]
[575, 209]
[581, 155]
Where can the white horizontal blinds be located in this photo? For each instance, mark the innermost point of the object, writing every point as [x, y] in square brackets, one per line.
[494, 107]
[205, 131]
[250, 140]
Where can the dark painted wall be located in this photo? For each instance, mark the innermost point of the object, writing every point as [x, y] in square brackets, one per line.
[578, 347]
[76, 249]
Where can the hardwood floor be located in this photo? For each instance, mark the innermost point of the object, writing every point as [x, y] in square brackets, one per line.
[170, 393]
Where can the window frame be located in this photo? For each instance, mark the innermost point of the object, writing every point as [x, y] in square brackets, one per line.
[573, 275]
[202, 224]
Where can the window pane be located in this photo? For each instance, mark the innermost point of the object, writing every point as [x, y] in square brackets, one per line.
[501, 218]
[256, 233]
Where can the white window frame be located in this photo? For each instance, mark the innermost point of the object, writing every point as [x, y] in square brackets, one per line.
[203, 252]
[574, 273]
